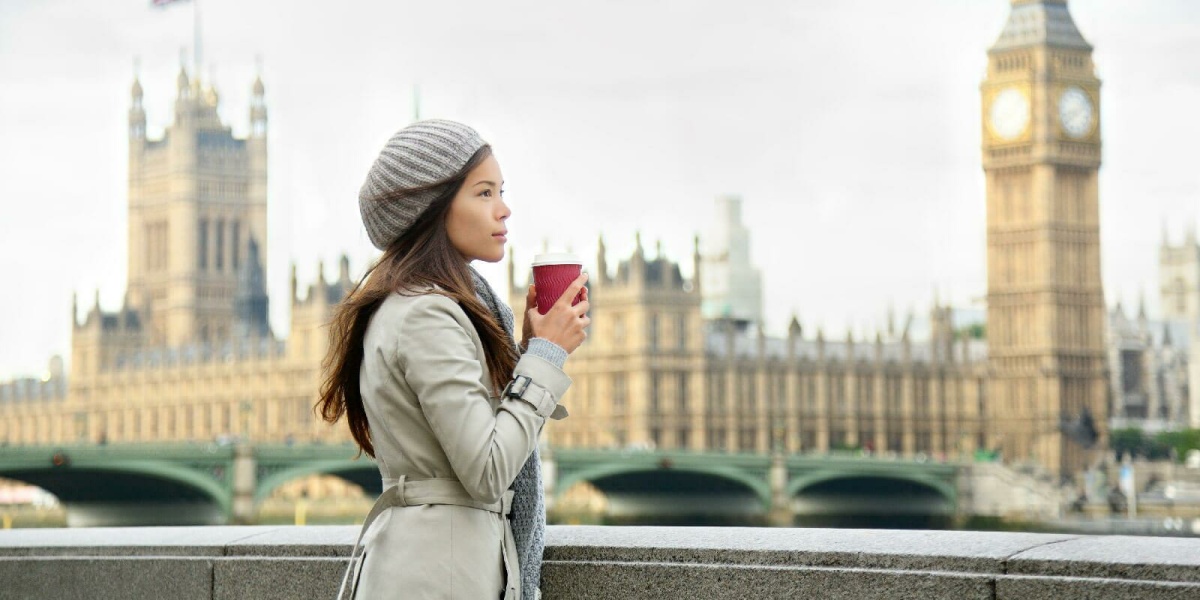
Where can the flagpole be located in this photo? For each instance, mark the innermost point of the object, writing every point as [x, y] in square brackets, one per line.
[196, 39]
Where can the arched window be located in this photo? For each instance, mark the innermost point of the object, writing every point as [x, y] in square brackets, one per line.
[235, 244]
[202, 245]
[219, 243]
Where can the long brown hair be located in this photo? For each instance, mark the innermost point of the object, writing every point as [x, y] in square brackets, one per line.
[422, 256]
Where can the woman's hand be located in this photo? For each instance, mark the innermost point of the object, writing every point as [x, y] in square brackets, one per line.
[563, 324]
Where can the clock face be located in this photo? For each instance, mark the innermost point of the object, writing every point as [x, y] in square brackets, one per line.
[1075, 112]
[1009, 113]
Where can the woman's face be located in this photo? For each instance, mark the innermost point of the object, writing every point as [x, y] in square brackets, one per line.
[475, 222]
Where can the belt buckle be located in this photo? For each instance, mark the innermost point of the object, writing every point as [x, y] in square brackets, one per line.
[517, 387]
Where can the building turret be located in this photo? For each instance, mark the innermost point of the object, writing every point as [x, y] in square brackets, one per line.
[295, 284]
[137, 116]
[941, 333]
[793, 336]
[183, 97]
[637, 263]
[308, 339]
[344, 270]
[258, 109]
[256, 158]
[252, 301]
[102, 342]
[1142, 317]
[601, 264]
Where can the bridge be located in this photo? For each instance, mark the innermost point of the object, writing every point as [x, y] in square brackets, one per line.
[149, 484]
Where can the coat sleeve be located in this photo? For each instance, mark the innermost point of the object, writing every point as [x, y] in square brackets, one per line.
[485, 449]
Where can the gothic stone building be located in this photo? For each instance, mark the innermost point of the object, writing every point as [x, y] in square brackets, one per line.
[654, 374]
[190, 354]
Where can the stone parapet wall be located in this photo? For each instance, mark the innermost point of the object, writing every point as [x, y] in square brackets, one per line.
[298, 563]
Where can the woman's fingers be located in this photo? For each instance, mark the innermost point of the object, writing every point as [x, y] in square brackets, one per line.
[563, 324]
[573, 289]
[581, 308]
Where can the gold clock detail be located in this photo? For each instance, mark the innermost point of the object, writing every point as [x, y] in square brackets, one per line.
[1009, 113]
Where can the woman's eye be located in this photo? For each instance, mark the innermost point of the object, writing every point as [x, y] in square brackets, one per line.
[486, 193]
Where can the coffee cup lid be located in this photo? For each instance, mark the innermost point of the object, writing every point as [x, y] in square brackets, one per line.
[556, 258]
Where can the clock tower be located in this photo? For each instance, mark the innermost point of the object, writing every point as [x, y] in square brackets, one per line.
[1041, 155]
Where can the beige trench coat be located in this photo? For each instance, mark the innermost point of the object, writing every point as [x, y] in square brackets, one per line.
[427, 394]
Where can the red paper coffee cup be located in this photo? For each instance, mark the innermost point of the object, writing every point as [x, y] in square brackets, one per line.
[553, 273]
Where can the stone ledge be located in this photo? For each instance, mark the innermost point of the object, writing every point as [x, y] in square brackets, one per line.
[964, 551]
[267, 562]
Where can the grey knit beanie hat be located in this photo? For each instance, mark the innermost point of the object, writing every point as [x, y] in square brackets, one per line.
[422, 154]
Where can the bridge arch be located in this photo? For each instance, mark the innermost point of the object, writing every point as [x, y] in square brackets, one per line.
[337, 467]
[943, 488]
[761, 489]
[203, 483]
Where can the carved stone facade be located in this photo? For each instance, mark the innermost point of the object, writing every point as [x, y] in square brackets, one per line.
[654, 373]
[190, 354]
[1149, 372]
[1046, 316]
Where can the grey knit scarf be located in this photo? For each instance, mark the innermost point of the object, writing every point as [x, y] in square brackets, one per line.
[528, 515]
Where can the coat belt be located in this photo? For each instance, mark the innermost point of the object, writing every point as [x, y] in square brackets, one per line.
[402, 491]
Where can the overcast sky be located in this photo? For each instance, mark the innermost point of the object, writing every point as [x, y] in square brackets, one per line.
[851, 129]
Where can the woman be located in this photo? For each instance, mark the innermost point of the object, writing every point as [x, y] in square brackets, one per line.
[423, 364]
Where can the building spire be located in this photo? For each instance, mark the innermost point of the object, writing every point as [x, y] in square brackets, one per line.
[601, 260]
[258, 103]
[137, 114]
[295, 284]
[1040, 23]
[696, 266]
